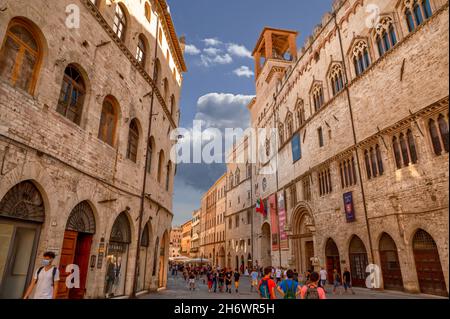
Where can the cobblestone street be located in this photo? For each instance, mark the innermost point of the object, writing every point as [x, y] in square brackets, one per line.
[177, 289]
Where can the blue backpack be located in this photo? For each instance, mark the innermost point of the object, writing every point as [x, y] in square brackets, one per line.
[264, 289]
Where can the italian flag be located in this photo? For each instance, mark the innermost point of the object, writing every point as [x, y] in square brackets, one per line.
[260, 206]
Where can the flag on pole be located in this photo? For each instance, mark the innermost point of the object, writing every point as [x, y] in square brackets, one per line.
[260, 207]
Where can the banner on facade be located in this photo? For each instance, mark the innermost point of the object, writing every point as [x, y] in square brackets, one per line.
[349, 208]
[274, 221]
[296, 148]
[284, 241]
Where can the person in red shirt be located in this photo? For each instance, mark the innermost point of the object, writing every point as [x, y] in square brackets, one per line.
[267, 286]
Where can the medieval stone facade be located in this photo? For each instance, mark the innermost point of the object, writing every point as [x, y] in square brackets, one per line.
[76, 141]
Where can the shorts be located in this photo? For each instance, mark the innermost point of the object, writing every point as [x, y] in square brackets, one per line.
[236, 284]
[192, 281]
[255, 282]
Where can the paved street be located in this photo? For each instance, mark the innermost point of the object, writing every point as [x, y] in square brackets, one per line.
[177, 289]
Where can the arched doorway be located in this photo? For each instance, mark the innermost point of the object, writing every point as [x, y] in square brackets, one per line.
[390, 265]
[332, 259]
[22, 214]
[76, 249]
[237, 262]
[266, 246]
[143, 257]
[163, 262]
[302, 240]
[428, 264]
[358, 261]
[229, 261]
[242, 266]
[117, 257]
[249, 263]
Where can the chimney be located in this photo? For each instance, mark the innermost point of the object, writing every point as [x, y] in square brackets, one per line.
[182, 41]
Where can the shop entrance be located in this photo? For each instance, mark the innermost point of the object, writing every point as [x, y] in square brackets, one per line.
[76, 249]
[358, 262]
[117, 257]
[143, 256]
[428, 264]
[266, 246]
[332, 259]
[22, 214]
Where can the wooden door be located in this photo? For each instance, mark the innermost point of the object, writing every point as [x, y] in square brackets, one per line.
[67, 258]
[358, 264]
[309, 253]
[81, 259]
[333, 262]
[390, 267]
[429, 272]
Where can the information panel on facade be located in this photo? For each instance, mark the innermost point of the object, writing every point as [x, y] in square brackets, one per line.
[296, 148]
[284, 242]
[274, 221]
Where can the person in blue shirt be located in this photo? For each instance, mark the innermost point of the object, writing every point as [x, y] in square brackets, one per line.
[289, 288]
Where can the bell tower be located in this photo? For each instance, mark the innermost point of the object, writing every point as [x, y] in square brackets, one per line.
[275, 45]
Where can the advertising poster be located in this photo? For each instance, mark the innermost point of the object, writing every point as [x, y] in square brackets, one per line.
[349, 208]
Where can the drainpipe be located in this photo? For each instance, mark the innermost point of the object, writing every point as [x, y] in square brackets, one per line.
[275, 117]
[144, 186]
[354, 139]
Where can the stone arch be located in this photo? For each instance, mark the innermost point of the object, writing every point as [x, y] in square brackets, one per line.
[332, 258]
[389, 262]
[303, 229]
[82, 219]
[163, 260]
[358, 260]
[266, 245]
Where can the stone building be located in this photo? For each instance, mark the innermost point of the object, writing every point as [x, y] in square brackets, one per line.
[239, 219]
[212, 235]
[361, 113]
[196, 230]
[186, 235]
[175, 242]
[77, 146]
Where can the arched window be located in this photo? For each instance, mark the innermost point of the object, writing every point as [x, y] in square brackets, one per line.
[108, 121]
[157, 72]
[443, 129]
[386, 37]
[148, 11]
[141, 51]
[249, 170]
[361, 58]
[172, 104]
[120, 22]
[300, 112]
[435, 137]
[231, 180]
[416, 12]
[71, 97]
[317, 95]
[398, 160]
[281, 133]
[337, 78]
[133, 141]
[160, 166]
[150, 149]
[404, 149]
[290, 124]
[166, 90]
[20, 56]
[238, 176]
[169, 173]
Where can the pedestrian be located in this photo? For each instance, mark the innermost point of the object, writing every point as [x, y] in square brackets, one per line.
[254, 277]
[45, 279]
[214, 280]
[312, 290]
[228, 279]
[246, 274]
[221, 280]
[323, 277]
[348, 281]
[192, 281]
[307, 275]
[336, 281]
[266, 286]
[289, 288]
[295, 275]
[278, 273]
[209, 277]
[237, 276]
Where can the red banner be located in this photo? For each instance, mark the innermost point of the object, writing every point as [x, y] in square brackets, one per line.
[274, 221]
[284, 241]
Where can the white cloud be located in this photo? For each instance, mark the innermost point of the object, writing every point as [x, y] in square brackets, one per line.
[192, 49]
[244, 71]
[207, 60]
[212, 51]
[239, 50]
[222, 110]
[212, 42]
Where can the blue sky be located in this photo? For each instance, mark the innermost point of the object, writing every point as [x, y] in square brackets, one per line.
[219, 83]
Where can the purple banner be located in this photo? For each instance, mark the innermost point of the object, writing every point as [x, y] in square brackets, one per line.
[349, 208]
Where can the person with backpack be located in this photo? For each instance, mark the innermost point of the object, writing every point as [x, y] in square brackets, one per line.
[254, 275]
[289, 288]
[267, 286]
[221, 280]
[336, 281]
[45, 280]
[228, 278]
[312, 290]
[237, 276]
